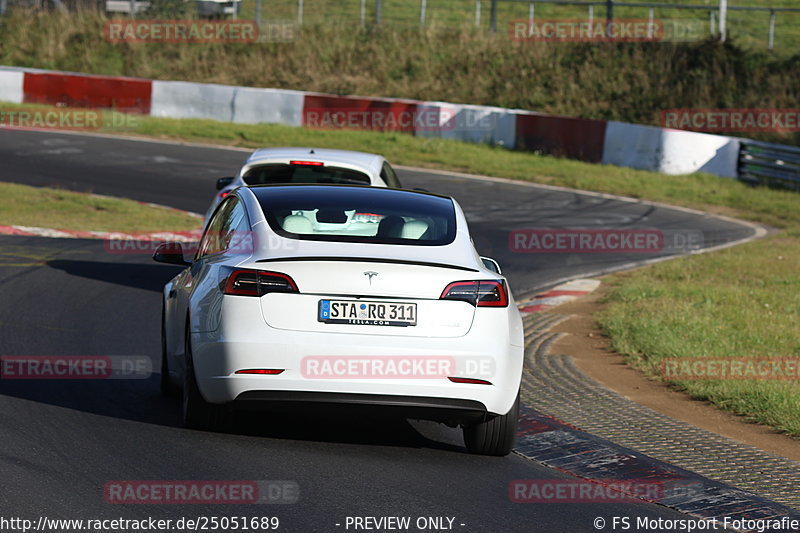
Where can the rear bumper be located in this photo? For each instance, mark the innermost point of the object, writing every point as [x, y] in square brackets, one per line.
[244, 341]
[448, 410]
[216, 364]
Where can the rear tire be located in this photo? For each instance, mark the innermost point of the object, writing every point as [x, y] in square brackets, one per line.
[197, 413]
[494, 436]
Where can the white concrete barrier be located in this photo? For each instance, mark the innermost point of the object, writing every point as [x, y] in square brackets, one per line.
[270, 106]
[178, 99]
[468, 123]
[11, 82]
[670, 151]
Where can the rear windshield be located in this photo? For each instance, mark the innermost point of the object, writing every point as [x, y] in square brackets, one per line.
[275, 173]
[358, 214]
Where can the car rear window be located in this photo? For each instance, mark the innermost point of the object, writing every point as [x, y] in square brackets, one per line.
[358, 214]
[308, 172]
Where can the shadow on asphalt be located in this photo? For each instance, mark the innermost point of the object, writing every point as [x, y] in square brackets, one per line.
[149, 277]
[140, 401]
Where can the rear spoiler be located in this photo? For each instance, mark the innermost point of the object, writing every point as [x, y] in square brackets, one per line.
[366, 260]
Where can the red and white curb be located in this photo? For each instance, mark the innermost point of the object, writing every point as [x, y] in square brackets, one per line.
[561, 294]
[179, 236]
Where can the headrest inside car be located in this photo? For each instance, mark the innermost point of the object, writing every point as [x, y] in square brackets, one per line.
[331, 216]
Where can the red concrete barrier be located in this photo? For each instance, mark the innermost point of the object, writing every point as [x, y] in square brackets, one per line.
[574, 138]
[124, 94]
[342, 112]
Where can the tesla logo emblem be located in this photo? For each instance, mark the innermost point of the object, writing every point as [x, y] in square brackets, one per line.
[370, 274]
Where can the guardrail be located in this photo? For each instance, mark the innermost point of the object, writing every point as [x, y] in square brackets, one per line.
[775, 165]
[719, 22]
[717, 26]
[126, 6]
[718, 17]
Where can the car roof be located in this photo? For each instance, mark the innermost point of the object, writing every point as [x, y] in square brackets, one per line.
[361, 159]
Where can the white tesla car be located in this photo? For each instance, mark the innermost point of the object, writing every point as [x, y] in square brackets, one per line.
[314, 295]
[269, 166]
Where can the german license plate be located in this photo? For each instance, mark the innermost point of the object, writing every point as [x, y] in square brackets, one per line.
[367, 313]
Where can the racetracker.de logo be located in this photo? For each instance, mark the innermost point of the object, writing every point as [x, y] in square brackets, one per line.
[582, 30]
[397, 367]
[69, 119]
[181, 31]
[179, 492]
[386, 118]
[603, 241]
[730, 369]
[229, 242]
[74, 367]
[599, 491]
[732, 120]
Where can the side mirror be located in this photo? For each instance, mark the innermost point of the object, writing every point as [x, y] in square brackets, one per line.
[224, 182]
[492, 265]
[170, 253]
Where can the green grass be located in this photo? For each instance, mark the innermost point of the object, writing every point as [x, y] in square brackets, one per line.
[739, 302]
[21, 205]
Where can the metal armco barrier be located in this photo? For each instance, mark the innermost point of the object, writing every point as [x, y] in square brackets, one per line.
[775, 165]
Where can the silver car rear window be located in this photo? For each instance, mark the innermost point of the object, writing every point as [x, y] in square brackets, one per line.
[303, 172]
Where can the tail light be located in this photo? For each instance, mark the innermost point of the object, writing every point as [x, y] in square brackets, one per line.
[470, 381]
[261, 371]
[223, 194]
[307, 163]
[258, 283]
[485, 293]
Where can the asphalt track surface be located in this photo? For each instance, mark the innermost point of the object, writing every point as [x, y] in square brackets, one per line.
[61, 441]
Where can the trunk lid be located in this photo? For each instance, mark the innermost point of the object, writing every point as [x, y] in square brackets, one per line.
[368, 297]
